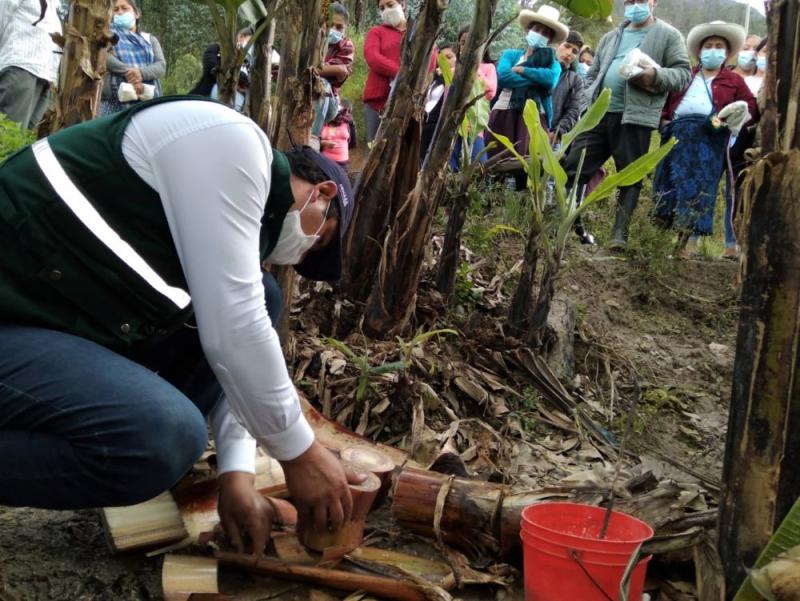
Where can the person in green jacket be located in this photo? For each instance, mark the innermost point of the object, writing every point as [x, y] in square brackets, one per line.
[636, 103]
[133, 305]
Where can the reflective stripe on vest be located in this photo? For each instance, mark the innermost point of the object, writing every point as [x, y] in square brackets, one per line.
[88, 215]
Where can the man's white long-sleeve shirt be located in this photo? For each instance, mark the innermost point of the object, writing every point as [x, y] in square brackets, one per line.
[212, 169]
[27, 47]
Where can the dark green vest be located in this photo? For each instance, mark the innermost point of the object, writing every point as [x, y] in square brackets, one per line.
[55, 273]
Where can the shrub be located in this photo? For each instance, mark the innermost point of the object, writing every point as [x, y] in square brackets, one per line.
[12, 137]
[182, 75]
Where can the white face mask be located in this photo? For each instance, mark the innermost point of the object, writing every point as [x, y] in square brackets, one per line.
[293, 242]
[393, 16]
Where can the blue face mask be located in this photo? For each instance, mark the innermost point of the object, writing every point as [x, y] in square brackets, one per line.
[637, 13]
[712, 58]
[583, 70]
[335, 36]
[746, 59]
[761, 63]
[536, 40]
[125, 20]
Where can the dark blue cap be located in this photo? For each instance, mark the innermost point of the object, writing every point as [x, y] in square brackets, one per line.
[325, 264]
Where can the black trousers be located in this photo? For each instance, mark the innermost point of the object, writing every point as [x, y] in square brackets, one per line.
[610, 138]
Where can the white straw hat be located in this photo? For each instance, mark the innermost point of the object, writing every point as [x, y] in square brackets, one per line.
[547, 16]
[735, 35]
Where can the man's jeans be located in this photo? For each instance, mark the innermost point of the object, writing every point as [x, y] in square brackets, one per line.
[82, 426]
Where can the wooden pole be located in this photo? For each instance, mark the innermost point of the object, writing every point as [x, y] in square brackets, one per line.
[380, 586]
[762, 459]
[86, 42]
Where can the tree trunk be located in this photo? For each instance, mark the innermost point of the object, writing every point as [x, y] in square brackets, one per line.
[230, 57]
[356, 8]
[470, 509]
[86, 42]
[762, 459]
[393, 299]
[544, 299]
[451, 248]
[520, 310]
[393, 163]
[259, 76]
[303, 31]
[261, 80]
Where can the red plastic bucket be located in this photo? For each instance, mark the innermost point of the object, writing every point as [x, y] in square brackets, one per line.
[565, 560]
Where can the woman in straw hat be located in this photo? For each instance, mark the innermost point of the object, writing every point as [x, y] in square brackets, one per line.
[529, 73]
[703, 117]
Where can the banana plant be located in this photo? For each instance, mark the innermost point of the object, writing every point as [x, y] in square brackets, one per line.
[225, 17]
[407, 347]
[589, 8]
[366, 371]
[476, 117]
[549, 230]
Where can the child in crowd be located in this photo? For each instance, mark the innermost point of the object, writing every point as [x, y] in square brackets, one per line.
[435, 100]
[338, 136]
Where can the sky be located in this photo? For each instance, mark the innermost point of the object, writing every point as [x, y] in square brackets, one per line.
[757, 4]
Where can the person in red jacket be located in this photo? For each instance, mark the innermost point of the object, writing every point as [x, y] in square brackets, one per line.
[382, 53]
[704, 117]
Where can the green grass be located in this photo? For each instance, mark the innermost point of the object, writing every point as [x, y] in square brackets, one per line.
[12, 137]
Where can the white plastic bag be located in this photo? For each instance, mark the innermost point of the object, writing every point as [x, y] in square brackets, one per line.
[635, 64]
[735, 115]
[148, 93]
[126, 92]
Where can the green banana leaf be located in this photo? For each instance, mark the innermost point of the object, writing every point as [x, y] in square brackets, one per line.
[589, 8]
[786, 537]
[230, 6]
[589, 121]
[540, 144]
[477, 117]
[252, 11]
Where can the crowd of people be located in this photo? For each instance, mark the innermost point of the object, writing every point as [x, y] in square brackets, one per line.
[646, 63]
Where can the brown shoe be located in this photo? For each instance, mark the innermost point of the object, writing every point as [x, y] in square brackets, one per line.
[731, 253]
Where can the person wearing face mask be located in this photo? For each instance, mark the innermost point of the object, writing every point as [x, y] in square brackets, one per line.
[382, 52]
[136, 61]
[635, 110]
[746, 64]
[585, 60]
[337, 67]
[703, 116]
[135, 305]
[523, 74]
[29, 59]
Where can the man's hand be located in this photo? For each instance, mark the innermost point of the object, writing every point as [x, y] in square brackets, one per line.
[245, 515]
[133, 75]
[645, 80]
[318, 486]
[518, 69]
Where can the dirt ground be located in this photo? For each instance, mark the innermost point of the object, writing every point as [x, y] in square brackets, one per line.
[675, 328]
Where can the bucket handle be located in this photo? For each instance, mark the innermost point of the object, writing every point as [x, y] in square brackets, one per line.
[624, 584]
[576, 558]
